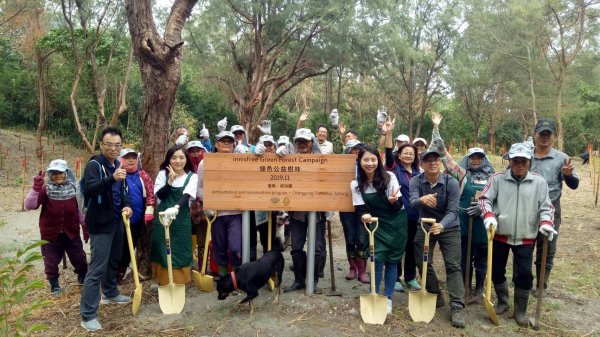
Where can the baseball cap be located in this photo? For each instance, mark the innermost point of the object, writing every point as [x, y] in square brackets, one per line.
[58, 165]
[519, 150]
[403, 138]
[420, 140]
[283, 140]
[545, 124]
[125, 152]
[266, 138]
[303, 133]
[223, 134]
[236, 128]
[475, 150]
[194, 143]
[430, 152]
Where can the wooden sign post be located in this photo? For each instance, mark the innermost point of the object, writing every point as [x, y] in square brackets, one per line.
[295, 182]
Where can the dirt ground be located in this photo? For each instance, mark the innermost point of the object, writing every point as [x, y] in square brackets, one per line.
[569, 310]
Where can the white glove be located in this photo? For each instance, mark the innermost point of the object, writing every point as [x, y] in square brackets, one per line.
[282, 150]
[259, 149]
[204, 132]
[382, 116]
[171, 212]
[334, 117]
[241, 148]
[209, 213]
[548, 231]
[529, 142]
[182, 140]
[329, 215]
[222, 124]
[490, 222]
[265, 127]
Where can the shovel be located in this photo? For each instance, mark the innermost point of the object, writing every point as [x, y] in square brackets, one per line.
[201, 280]
[421, 304]
[487, 297]
[535, 321]
[373, 307]
[270, 282]
[467, 271]
[137, 294]
[171, 298]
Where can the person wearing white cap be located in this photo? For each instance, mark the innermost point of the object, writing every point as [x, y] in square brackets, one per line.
[401, 140]
[195, 149]
[516, 203]
[472, 173]
[421, 145]
[241, 140]
[60, 221]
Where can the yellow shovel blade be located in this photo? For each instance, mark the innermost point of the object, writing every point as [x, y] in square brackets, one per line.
[171, 298]
[489, 307]
[203, 282]
[421, 306]
[373, 308]
[137, 300]
[271, 284]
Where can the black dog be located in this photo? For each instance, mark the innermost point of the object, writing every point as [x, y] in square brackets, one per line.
[252, 276]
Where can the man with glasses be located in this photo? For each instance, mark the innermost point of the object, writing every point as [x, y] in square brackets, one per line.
[437, 195]
[556, 167]
[105, 198]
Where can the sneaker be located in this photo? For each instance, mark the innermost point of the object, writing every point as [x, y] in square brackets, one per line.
[91, 325]
[55, 291]
[458, 318]
[389, 306]
[398, 287]
[413, 285]
[120, 299]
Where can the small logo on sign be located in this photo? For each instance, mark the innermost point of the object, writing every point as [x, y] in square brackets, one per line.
[286, 201]
[274, 200]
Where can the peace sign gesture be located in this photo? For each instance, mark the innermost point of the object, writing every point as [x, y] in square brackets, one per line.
[172, 175]
[388, 126]
[567, 168]
[395, 195]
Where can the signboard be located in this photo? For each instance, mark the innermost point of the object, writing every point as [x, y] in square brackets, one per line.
[296, 182]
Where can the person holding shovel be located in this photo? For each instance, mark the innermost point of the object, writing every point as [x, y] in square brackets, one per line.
[376, 193]
[472, 173]
[437, 195]
[517, 205]
[175, 188]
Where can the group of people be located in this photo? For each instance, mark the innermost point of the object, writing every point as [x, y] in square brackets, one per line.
[399, 185]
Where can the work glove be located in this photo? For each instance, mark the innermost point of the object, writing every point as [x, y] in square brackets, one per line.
[171, 212]
[182, 140]
[439, 144]
[86, 234]
[334, 117]
[209, 214]
[490, 222]
[474, 209]
[282, 150]
[204, 132]
[38, 181]
[149, 215]
[529, 143]
[259, 149]
[382, 116]
[265, 127]
[241, 148]
[548, 231]
[222, 124]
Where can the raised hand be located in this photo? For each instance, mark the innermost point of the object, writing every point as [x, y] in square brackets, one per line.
[395, 196]
[342, 128]
[382, 116]
[222, 124]
[119, 174]
[388, 126]
[204, 132]
[334, 117]
[265, 127]
[172, 175]
[436, 118]
[567, 168]
[304, 115]
[38, 181]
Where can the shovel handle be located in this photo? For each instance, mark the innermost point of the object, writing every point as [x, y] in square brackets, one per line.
[425, 252]
[372, 250]
[127, 224]
[540, 289]
[206, 241]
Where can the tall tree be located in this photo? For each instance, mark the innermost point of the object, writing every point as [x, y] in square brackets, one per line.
[159, 59]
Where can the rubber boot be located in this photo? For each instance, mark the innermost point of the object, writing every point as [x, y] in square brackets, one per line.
[352, 271]
[54, 286]
[477, 294]
[537, 278]
[361, 266]
[520, 311]
[502, 294]
[299, 259]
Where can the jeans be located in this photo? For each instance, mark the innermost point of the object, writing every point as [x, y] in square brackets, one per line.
[226, 233]
[522, 256]
[450, 247]
[391, 274]
[353, 233]
[106, 249]
[409, 253]
[478, 257]
[298, 231]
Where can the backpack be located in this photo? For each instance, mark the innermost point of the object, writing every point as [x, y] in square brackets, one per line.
[84, 202]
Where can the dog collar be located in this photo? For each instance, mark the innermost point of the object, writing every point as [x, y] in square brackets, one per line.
[235, 287]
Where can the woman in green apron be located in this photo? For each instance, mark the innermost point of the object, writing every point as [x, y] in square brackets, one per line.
[472, 173]
[376, 193]
[176, 184]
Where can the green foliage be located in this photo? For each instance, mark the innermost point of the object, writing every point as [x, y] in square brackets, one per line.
[16, 300]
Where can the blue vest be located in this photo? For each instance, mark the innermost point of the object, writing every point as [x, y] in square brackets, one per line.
[136, 196]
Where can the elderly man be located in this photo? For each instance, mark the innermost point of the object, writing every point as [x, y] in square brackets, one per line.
[555, 167]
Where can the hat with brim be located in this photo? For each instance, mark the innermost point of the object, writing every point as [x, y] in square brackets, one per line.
[283, 140]
[419, 140]
[403, 138]
[303, 133]
[236, 128]
[125, 152]
[194, 143]
[224, 134]
[59, 165]
[519, 150]
[545, 124]
[475, 150]
[266, 138]
[430, 153]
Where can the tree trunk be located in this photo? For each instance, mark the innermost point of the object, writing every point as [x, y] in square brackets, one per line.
[122, 94]
[559, 92]
[73, 98]
[531, 86]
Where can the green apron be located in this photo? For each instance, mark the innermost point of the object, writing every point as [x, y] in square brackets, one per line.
[390, 237]
[180, 231]
[479, 236]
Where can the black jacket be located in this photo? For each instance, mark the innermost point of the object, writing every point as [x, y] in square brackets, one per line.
[101, 217]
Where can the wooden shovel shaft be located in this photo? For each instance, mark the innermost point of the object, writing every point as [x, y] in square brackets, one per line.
[541, 279]
[467, 270]
[131, 251]
[331, 267]
[206, 241]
